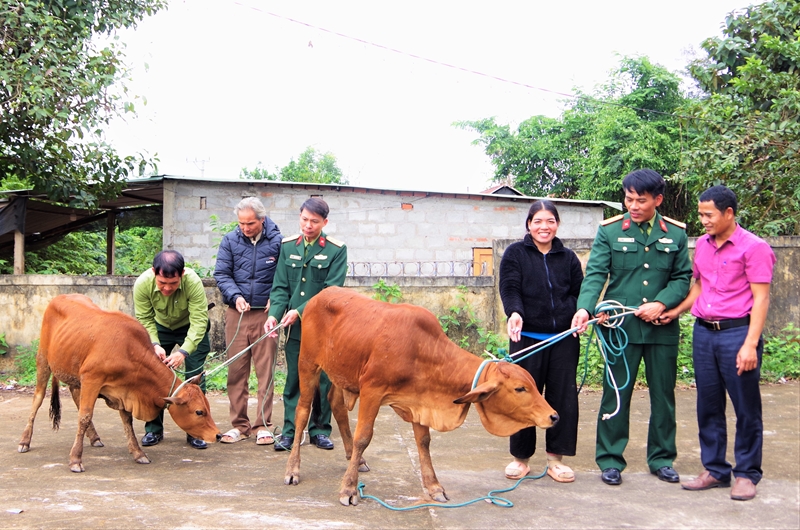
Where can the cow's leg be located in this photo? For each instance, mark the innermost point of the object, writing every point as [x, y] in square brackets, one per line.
[89, 396]
[367, 412]
[91, 433]
[133, 443]
[430, 483]
[42, 377]
[309, 382]
[339, 410]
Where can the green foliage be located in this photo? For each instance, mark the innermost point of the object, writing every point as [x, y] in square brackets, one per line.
[60, 83]
[626, 124]
[311, 166]
[3, 344]
[746, 132]
[781, 358]
[387, 293]
[218, 381]
[462, 327]
[135, 249]
[84, 253]
[25, 364]
[76, 253]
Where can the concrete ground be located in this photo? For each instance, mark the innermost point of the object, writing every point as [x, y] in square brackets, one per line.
[241, 485]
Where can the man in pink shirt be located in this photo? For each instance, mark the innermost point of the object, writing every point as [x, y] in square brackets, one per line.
[730, 298]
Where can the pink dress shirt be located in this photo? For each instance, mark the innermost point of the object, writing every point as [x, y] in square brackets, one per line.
[727, 272]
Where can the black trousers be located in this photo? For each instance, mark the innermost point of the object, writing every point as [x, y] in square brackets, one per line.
[554, 370]
[169, 338]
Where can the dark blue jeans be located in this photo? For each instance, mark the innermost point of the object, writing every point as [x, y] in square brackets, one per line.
[714, 354]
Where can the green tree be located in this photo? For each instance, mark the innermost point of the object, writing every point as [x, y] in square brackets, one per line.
[626, 124]
[60, 82]
[746, 132]
[311, 166]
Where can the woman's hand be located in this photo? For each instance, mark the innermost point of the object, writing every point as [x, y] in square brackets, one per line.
[514, 327]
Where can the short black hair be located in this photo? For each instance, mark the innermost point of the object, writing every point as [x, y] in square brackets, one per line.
[722, 197]
[644, 181]
[168, 263]
[538, 206]
[317, 206]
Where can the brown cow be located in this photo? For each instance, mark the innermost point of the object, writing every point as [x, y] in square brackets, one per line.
[108, 354]
[398, 355]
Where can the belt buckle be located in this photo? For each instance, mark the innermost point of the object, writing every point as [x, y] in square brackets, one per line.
[714, 325]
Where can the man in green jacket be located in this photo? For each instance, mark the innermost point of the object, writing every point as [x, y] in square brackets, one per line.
[307, 264]
[645, 259]
[170, 302]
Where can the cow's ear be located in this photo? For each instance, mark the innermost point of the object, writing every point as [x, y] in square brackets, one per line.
[175, 400]
[479, 393]
[194, 380]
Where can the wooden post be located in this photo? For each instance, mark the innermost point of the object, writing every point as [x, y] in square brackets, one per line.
[19, 252]
[110, 241]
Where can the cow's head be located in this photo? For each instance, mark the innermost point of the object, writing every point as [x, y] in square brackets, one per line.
[508, 401]
[189, 409]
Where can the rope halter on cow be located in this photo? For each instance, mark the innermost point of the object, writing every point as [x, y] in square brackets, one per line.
[229, 361]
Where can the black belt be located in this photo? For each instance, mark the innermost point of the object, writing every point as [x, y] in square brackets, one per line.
[719, 325]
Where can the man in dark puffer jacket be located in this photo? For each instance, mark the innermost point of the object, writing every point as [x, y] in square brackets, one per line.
[246, 262]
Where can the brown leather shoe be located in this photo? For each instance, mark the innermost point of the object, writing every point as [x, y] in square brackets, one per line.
[743, 489]
[703, 482]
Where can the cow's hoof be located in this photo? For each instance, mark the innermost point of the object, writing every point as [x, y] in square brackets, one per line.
[347, 500]
[439, 497]
[97, 443]
[23, 448]
[291, 480]
[76, 468]
[363, 467]
[142, 460]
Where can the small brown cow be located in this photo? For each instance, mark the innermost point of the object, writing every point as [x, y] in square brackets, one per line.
[398, 355]
[108, 354]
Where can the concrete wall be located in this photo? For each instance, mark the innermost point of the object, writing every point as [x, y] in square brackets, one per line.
[23, 298]
[373, 223]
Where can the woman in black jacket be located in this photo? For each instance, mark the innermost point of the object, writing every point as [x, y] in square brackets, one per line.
[539, 284]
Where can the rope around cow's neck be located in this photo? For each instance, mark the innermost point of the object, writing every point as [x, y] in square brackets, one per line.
[612, 349]
[233, 358]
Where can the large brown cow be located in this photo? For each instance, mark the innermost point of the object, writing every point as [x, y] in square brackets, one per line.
[108, 354]
[398, 355]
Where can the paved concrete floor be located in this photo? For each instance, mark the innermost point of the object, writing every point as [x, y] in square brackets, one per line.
[241, 485]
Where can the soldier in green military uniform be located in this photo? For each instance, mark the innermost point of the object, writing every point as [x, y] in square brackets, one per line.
[645, 259]
[307, 264]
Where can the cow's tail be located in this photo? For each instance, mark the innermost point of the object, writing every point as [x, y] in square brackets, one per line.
[55, 405]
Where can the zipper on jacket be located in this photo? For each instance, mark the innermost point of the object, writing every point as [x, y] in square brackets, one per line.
[550, 284]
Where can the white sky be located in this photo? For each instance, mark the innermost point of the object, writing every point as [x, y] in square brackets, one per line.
[228, 85]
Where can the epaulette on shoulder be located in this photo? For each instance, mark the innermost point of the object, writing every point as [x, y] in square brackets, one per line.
[290, 238]
[335, 241]
[673, 221]
[610, 220]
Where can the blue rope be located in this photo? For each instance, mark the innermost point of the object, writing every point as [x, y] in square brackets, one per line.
[491, 498]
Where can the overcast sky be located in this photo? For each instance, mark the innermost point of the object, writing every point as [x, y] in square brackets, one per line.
[230, 84]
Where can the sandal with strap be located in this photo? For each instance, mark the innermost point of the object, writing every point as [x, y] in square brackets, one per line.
[560, 472]
[264, 437]
[233, 436]
[516, 470]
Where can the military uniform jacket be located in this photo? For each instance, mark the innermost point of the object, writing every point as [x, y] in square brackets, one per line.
[639, 269]
[300, 275]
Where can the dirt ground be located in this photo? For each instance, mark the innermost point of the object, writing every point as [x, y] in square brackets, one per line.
[241, 485]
